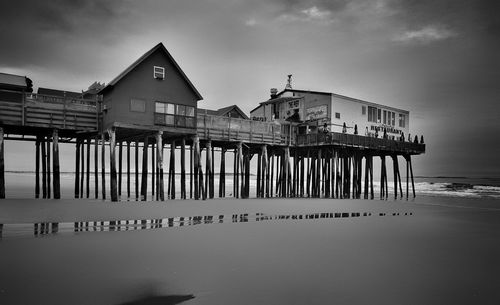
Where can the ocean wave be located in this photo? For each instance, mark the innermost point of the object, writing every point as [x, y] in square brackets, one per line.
[453, 189]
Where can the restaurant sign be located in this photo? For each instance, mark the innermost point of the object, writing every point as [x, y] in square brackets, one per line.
[316, 112]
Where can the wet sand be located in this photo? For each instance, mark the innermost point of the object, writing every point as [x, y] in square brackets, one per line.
[447, 252]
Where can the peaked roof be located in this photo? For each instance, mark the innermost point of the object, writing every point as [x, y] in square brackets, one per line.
[142, 58]
[224, 111]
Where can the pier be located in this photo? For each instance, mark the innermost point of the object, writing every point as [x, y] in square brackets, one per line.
[288, 163]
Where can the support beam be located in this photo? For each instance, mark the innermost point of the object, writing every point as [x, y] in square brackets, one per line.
[87, 181]
[77, 169]
[112, 165]
[96, 166]
[172, 169]
[136, 171]
[196, 164]
[183, 168]
[103, 165]
[49, 184]
[120, 168]
[37, 167]
[144, 180]
[55, 163]
[208, 171]
[2, 164]
[128, 169]
[159, 162]
[222, 174]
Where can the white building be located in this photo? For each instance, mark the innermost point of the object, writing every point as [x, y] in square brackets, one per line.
[314, 109]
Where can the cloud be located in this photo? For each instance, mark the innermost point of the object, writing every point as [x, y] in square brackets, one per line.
[311, 14]
[425, 35]
[251, 22]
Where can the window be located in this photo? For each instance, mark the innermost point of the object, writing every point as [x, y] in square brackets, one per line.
[402, 120]
[372, 114]
[174, 115]
[337, 115]
[137, 105]
[363, 110]
[385, 116]
[379, 115]
[158, 72]
[393, 123]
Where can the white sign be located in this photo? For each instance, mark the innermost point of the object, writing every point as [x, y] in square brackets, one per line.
[317, 112]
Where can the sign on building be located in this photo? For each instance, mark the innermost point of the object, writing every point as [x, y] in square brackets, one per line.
[317, 112]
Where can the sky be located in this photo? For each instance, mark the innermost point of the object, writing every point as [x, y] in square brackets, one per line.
[439, 59]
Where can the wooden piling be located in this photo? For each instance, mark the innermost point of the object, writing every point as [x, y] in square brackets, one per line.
[172, 169]
[128, 169]
[55, 163]
[120, 168]
[103, 165]
[411, 173]
[136, 169]
[96, 166]
[246, 166]
[49, 184]
[183, 168]
[212, 174]
[286, 165]
[87, 181]
[112, 165]
[37, 167]
[159, 162]
[191, 169]
[153, 170]
[2, 166]
[144, 179]
[259, 169]
[208, 170]
[82, 170]
[77, 169]
[222, 173]
[196, 159]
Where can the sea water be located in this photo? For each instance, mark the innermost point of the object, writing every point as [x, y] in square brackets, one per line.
[22, 185]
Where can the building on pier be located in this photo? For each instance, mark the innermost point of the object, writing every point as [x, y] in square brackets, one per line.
[314, 110]
[151, 94]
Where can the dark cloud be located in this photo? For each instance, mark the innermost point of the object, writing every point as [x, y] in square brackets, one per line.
[32, 32]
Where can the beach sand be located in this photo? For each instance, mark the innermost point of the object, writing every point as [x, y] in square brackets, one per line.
[446, 252]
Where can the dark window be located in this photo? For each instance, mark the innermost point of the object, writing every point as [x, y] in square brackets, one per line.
[363, 110]
[337, 115]
[372, 114]
[174, 115]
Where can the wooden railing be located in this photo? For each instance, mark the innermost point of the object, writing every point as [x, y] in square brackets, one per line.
[222, 128]
[350, 140]
[38, 110]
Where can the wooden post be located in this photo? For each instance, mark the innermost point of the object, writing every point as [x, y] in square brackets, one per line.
[136, 170]
[222, 174]
[196, 158]
[48, 169]
[37, 167]
[172, 169]
[382, 179]
[286, 164]
[235, 174]
[153, 170]
[112, 165]
[103, 165]
[162, 173]
[191, 169]
[259, 168]
[265, 172]
[271, 176]
[372, 194]
[55, 163]
[209, 169]
[212, 176]
[407, 176]
[2, 165]
[366, 178]
[411, 173]
[77, 169]
[120, 168]
[159, 162]
[96, 167]
[87, 182]
[246, 166]
[183, 168]
[128, 169]
[144, 180]
[82, 170]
